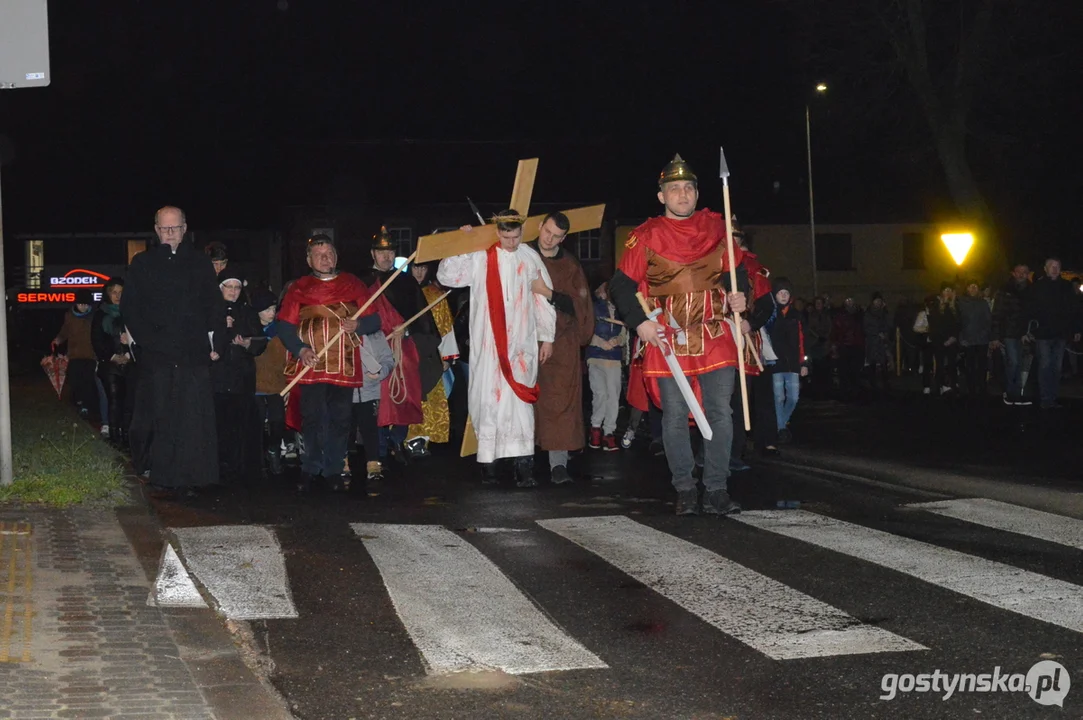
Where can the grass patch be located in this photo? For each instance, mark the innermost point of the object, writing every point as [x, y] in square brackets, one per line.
[59, 458]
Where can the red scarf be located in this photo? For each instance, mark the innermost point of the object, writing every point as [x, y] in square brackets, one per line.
[499, 322]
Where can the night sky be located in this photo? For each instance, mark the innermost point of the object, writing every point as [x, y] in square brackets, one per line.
[236, 109]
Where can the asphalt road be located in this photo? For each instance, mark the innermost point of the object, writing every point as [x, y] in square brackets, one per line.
[350, 654]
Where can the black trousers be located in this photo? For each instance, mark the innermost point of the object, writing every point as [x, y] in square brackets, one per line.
[761, 411]
[365, 416]
[115, 390]
[325, 423]
[239, 432]
[271, 410]
[140, 431]
[976, 360]
[84, 392]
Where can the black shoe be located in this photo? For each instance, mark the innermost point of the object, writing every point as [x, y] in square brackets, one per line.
[738, 465]
[374, 483]
[490, 474]
[785, 436]
[398, 452]
[417, 448]
[718, 502]
[560, 476]
[688, 502]
[524, 473]
[770, 451]
[304, 485]
[341, 482]
[274, 461]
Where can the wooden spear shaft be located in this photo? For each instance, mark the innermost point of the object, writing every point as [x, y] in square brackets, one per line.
[428, 307]
[338, 336]
[738, 336]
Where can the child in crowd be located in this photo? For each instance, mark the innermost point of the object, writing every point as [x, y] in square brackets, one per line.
[604, 356]
[788, 340]
[270, 380]
[377, 362]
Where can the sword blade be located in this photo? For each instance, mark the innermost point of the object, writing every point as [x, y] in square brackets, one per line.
[686, 392]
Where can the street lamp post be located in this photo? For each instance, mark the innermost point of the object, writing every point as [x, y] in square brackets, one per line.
[820, 88]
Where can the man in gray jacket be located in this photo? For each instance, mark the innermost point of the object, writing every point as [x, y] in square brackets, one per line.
[975, 328]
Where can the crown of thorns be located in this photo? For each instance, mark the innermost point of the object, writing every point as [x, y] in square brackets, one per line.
[509, 219]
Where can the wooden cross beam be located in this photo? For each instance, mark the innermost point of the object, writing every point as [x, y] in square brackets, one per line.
[460, 242]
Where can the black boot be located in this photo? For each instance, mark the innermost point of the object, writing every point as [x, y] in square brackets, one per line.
[417, 448]
[304, 485]
[524, 473]
[490, 474]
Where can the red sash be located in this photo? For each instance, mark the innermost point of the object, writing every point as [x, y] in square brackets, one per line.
[499, 322]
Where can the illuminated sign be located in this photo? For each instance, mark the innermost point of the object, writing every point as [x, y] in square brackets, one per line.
[79, 278]
[59, 284]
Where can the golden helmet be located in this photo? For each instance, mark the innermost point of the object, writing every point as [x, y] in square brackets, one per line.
[676, 169]
[382, 240]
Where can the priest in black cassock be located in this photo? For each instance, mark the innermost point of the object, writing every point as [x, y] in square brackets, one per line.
[407, 297]
[176, 316]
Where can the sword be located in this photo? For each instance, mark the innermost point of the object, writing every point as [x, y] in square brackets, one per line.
[678, 375]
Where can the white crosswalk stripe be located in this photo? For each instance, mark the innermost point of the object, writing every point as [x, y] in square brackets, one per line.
[242, 568]
[1011, 518]
[767, 615]
[461, 611]
[1003, 586]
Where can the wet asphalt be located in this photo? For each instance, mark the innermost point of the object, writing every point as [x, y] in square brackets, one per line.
[349, 656]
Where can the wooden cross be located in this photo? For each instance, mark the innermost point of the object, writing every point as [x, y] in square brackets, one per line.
[461, 242]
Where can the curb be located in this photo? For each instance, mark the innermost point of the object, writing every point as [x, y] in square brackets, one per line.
[1026, 492]
[228, 685]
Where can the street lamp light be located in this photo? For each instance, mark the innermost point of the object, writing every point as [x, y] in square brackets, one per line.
[958, 245]
[821, 88]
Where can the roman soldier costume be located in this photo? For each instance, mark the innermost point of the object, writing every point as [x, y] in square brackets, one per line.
[678, 265]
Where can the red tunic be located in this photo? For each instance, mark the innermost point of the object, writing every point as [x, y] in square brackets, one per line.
[677, 265]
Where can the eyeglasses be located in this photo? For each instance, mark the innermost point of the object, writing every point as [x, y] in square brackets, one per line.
[170, 229]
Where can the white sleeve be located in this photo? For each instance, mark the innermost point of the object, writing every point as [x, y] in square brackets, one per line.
[545, 315]
[458, 271]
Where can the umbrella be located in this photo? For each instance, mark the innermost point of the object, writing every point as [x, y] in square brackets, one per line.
[56, 368]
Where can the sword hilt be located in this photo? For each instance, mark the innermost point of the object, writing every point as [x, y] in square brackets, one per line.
[651, 314]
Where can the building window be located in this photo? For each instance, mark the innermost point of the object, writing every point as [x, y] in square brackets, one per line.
[403, 237]
[834, 251]
[588, 244]
[913, 251]
[35, 263]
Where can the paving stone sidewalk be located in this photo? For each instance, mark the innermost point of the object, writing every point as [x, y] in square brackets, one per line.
[79, 640]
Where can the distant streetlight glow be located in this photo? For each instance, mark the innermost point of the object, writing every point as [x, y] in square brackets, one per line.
[958, 244]
[821, 87]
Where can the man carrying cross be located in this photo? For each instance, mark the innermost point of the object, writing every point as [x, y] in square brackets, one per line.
[512, 326]
[677, 261]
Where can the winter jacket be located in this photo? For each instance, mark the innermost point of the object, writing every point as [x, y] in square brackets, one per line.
[76, 333]
[374, 348]
[271, 363]
[846, 329]
[1055, 307]
[788, 340]
[107, 344]
[943, 323]
[975, 321]
[818, 327]
[603, 330]
[877, 325]
[1009, 311]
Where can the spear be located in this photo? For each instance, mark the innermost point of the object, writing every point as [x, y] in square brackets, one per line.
[724, 173]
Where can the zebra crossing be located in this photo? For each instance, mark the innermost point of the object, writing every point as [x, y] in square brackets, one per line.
[462, 611]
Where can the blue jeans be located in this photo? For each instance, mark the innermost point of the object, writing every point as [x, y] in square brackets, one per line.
[787, 386]
[1013, 367]
[1050, 362]
[717, 388]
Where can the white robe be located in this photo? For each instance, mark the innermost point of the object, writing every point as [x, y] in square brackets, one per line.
[503, 423]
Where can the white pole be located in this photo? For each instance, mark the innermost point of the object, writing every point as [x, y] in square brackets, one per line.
[7, 470]
[811, 204]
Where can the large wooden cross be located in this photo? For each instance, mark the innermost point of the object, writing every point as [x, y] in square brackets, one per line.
[460, 242]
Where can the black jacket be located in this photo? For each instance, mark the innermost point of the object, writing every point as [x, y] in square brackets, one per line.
[788, 340]
[1009, 315]
[1055, 307]
[943, 324]
[234, 372]
[170, 302]
[106, 345]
